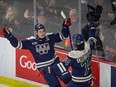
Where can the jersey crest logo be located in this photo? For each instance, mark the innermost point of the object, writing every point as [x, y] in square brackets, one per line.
[42, 48]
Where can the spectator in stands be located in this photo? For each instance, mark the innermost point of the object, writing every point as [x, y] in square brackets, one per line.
[10, 20]
[3, 6]
[2, 12]
[24, 15]
[73, 14]
[42, 18]
[113, 3]
[108, 37]
[70, 4]
[27, 22]
[51, 7]
[92, 28]
[47, 6]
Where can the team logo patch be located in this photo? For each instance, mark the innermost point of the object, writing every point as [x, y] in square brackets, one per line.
[34, 43]
[42, 48]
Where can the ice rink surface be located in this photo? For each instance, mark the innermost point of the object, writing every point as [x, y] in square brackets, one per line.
[1, 85]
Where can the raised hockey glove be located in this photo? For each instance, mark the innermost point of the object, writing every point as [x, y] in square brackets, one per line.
[66, 23]
[6, 32]
[92, 42]
[92, 39]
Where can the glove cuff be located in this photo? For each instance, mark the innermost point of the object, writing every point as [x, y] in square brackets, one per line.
[9, 37]
[65, 27]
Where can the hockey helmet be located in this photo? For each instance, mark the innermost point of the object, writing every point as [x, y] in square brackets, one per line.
[39, 26]
[78, 39]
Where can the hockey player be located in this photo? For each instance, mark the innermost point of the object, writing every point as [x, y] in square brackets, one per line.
[42, 49]
[80, 61]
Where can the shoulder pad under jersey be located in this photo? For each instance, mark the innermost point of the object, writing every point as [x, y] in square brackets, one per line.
[87, 46]
[76, 54]
[31, 37]
[49, 33]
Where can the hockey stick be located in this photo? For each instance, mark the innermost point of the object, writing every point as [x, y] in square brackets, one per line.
[96, 52]
[64, 16]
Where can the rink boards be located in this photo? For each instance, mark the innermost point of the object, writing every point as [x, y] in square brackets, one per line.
[19, 65]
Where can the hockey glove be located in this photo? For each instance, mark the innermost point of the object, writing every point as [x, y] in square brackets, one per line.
[66, 23]
[92, 39]
[7, 34]
[92, 42]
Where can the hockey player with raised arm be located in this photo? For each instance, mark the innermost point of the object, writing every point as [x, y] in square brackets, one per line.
[42, 49]
[79, 60]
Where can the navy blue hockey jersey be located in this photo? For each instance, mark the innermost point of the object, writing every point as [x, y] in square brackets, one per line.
[42, 49]
[80, 62]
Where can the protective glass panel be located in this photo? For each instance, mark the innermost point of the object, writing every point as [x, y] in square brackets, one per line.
[22, 15]
[101, 14]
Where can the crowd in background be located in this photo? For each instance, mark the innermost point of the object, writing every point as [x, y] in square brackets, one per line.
[18, 15]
